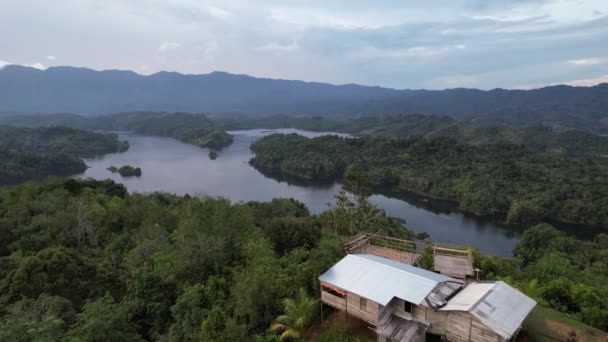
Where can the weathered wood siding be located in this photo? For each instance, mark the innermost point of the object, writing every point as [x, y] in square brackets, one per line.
[458, 327]
[439, 321]
[419, 313]
[335, 301]
[369, 315]
[481, 333]
[397, 306]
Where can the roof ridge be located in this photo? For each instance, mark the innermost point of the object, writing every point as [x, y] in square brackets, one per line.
[396, 268]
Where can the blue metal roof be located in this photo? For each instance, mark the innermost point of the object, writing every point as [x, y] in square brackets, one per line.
[380, 279]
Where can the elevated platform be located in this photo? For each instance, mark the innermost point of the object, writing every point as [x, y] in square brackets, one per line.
[456, 262]
[402, 330]
[450, 260]
[404, 251]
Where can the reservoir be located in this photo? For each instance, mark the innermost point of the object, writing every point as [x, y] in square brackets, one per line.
[175, 167]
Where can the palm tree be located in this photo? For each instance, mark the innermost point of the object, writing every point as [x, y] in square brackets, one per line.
[299, 311]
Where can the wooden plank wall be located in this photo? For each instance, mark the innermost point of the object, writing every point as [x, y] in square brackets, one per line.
[459, 327]
[370, 315]
[439, 321]
[482, 333]
[335, 301]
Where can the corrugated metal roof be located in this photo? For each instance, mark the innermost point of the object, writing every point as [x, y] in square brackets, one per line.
[467, 297]
[381, 279]
[499, 306]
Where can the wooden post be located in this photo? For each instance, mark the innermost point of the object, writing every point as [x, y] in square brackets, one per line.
[346, 302]
[321, 305]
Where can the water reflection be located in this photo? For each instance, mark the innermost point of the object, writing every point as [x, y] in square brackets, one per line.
[171, 166]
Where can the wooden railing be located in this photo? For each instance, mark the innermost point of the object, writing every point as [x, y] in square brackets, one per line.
[392, 243]
[333, 300]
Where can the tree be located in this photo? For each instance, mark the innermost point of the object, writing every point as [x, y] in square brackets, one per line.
[56, 271]
[104, 321]
[193, 306]
[287, 233]
[258, 286]
[219, 327]
[43, 319]
[298, 314]
[535, 241]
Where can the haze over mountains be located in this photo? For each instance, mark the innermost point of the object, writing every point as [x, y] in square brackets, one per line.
[86, 91]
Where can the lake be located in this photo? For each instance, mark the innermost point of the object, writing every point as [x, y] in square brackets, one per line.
[172, 166]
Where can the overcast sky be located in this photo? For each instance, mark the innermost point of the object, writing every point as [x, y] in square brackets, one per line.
[402, 44]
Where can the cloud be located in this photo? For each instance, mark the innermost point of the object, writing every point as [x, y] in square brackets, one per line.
[51, 58]
[588, 82]
[168, 46]
[219, 13]
[278, 47]
[36, 65]
[402, 44]
[586, 61]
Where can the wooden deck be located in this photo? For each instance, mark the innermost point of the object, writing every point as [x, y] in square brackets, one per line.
[401, 256]
[401, 330]
[453, 261]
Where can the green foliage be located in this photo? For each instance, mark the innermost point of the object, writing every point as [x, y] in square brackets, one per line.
[505, 181]
[27, 153]
[193, 306]
[149, 299]
[60, 140]
[218, 326]
[298, 314]
[44, 319]
[566, 273]
[427, 260]
[126, 170]
[287, 233]
[537, 137]
[338, 333]
[83, 260]
[190, 128]
[257, 286]
[57, 271]
[16, 167]
[104, 320]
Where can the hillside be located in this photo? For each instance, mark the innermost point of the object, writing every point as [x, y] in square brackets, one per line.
[79, 90]
[194, 129]
[538, 137]
[508, 182]
[35, 153]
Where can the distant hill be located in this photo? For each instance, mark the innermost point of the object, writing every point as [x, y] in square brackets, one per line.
[80, 90]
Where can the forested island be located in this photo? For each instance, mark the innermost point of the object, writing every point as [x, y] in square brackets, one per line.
[509, 182]
[83, 258]
[126, 170]
[194, 129]
[35, 153]
[541, 138]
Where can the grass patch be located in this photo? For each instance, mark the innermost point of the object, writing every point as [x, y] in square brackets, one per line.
[546, 325]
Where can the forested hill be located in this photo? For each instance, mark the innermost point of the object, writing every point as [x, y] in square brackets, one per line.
[506, 181]
[47, 140]
[195, 129]
[84, 259]
[79, 90]
[540, 138]
[34, 153]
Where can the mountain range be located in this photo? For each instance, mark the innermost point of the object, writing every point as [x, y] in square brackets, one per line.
[86, 91]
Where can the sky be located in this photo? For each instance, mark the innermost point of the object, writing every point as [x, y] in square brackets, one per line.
[413, 44]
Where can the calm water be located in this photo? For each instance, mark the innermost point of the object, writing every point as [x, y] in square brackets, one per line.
[171, 166]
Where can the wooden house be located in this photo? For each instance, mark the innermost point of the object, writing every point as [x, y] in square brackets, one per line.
[402, 302]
